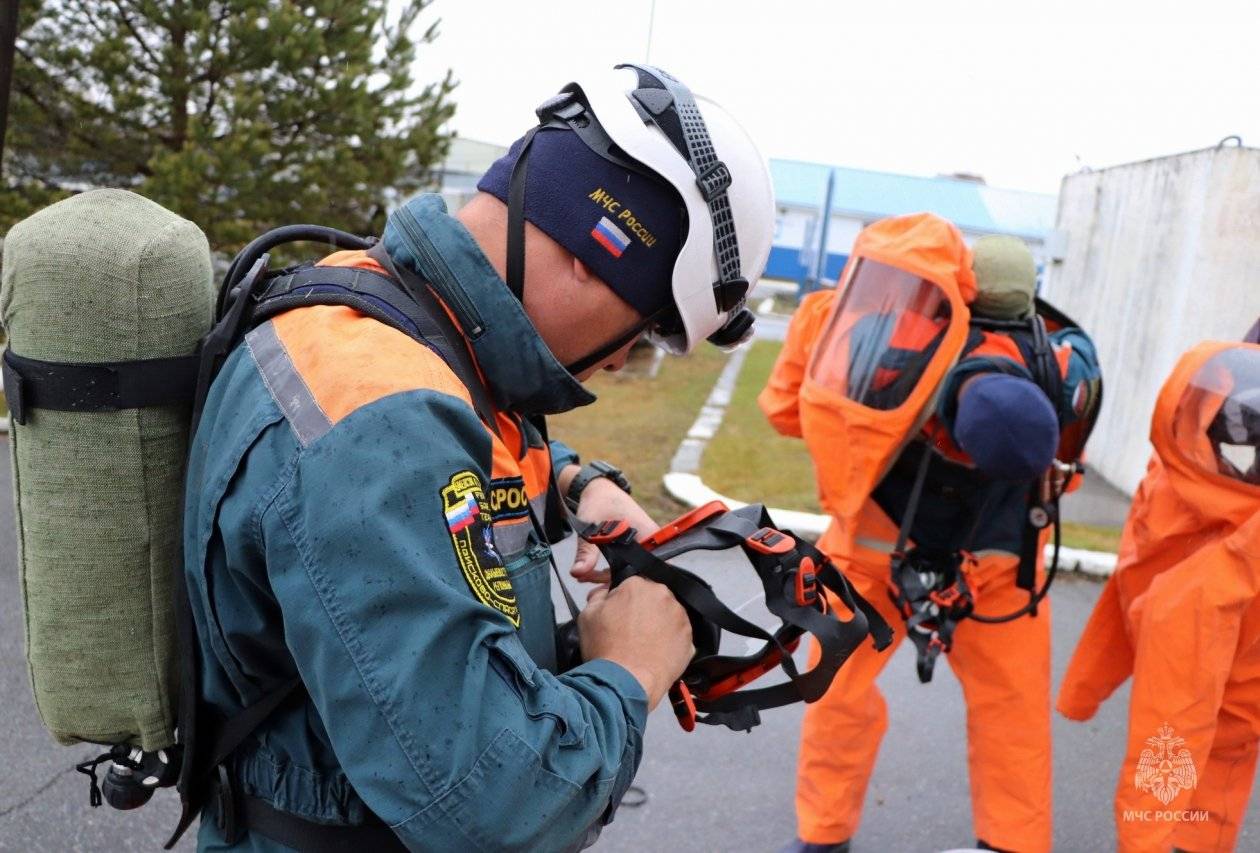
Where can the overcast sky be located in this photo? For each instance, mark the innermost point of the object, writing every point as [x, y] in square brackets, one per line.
[1014, 91]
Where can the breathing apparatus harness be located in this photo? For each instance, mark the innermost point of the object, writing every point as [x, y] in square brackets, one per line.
[934, 589]
[668, 104]
[793, 575]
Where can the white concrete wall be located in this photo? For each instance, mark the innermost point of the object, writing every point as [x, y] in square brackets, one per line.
[1160, 255]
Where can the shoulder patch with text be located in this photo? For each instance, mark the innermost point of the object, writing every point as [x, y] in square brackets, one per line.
[472, 535]
[508, 498]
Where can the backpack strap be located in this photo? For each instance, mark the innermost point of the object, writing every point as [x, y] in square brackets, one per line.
[1033, 340]
[30, 383]
[436, 328]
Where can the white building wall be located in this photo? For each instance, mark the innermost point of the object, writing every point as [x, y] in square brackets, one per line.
[1160, 255]
[794, 224]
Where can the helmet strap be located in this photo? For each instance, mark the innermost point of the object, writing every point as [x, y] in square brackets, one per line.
[587, 362]
[667, 103]
[516, 219]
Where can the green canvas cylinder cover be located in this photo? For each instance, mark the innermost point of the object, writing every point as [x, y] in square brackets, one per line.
[103, 276]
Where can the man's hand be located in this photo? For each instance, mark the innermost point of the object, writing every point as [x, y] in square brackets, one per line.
[641, 626]
[602, 500]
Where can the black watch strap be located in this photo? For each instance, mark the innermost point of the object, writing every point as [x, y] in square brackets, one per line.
[591, 471]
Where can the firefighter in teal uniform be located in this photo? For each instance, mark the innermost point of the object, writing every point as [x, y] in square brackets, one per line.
[353, 522]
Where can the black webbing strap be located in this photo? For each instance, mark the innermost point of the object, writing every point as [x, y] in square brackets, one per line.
[911, 593]
[190, 787]
[241, 726]
[102, 387]
[713, 177]
[633, 560]
[1030, 539]
[912, 505]
[435, 326]
[199, 766]
[515, 271]
[837, 639]
[310, 837]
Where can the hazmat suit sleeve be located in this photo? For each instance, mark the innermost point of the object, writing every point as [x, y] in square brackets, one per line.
[444, 725]
[1102, 661]
[778, 400]
[1103, 658]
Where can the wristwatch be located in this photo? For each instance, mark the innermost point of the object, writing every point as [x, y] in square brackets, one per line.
[594, 470]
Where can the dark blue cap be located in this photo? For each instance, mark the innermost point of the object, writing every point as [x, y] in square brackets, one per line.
[1007, 426]
[626, 227]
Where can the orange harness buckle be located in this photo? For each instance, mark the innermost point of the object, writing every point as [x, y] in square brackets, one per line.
[768, 541]
[684, 705]
[609, 531]
[806, 583]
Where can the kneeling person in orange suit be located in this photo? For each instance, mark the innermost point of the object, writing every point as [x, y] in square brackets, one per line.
[1181, 614]
[930, 402]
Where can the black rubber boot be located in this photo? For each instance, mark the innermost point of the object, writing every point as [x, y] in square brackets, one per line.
[981, 844]
[798, 846]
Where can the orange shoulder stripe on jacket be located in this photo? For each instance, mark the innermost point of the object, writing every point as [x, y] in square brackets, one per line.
[348, 360]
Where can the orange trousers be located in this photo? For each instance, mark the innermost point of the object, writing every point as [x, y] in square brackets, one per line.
[1005, 675]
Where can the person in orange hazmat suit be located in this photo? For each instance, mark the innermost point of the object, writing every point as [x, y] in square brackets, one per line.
[929, 406]
[1181, 614]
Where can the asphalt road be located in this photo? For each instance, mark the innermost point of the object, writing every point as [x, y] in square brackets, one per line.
[709, 790]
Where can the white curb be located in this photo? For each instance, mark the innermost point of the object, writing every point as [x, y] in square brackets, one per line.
[691, 491]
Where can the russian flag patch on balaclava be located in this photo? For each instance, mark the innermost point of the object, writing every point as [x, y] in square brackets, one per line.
[610, 237]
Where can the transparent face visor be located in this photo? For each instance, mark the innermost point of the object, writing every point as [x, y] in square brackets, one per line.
[1217, 421]
[889, 325]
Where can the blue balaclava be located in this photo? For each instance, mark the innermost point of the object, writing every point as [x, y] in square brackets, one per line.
[1007, 426]
[625, 226]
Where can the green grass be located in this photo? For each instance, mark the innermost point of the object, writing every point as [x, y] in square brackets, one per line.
[747, 459]
[1091, 537]
[638, 423]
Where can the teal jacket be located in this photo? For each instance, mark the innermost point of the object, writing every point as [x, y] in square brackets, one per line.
[349, 519]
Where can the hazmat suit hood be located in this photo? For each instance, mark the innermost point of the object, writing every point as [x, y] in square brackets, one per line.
[1212, 478]
[897, 325]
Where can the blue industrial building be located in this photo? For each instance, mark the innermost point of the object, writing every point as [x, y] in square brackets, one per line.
[861, 197]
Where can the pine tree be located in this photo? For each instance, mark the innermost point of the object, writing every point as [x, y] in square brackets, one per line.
[238, 114]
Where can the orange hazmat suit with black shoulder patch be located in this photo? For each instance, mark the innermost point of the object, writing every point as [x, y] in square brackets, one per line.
[1181, 614]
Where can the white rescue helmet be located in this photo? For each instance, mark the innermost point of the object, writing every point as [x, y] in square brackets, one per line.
[643, 118]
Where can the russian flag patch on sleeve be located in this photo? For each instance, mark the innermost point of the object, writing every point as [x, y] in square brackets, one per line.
[610, 237]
